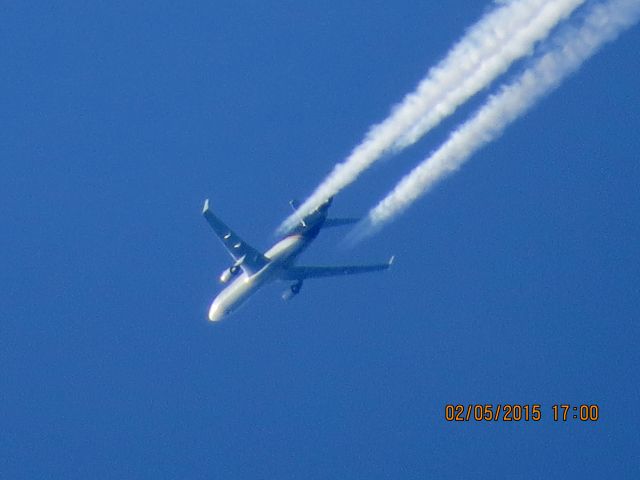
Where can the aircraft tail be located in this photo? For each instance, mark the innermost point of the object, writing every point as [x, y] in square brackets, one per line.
[294, 206]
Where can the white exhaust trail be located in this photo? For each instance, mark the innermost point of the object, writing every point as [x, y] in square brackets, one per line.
[602, 24]
[512, 49]
[487, 50]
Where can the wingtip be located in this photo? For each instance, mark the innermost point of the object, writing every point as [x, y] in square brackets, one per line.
[206, 206]
[391, 260]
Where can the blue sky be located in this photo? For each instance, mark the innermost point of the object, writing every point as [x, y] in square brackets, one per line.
[516, 281]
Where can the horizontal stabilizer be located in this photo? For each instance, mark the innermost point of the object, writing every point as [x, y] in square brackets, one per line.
[339, 222]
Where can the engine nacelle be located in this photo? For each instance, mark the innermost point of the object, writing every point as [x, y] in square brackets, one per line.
[292, 291]
[229, 273]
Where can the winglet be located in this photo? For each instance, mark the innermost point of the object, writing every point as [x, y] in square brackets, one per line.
[391, 260]
[206, 206]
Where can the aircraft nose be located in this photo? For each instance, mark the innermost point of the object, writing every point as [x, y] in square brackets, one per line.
[215, 312]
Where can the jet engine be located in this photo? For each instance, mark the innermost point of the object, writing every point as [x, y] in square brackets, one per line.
[292, 291]
[229, 273]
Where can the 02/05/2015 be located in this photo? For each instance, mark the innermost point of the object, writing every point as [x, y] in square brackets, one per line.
[513, 412]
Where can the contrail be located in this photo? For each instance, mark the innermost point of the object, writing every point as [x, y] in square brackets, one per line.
[602, 24]
[512, 49]
[487, 50]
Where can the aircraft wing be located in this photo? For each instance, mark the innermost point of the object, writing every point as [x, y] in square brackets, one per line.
[302, 272]
[245, 256]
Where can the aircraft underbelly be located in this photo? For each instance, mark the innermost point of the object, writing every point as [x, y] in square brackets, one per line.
[238, 292]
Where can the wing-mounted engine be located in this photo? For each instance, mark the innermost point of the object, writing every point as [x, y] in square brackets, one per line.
[229, 273]
[292, 291]
[232, 271]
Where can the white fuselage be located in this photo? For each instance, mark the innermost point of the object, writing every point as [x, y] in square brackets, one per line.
[244, 285]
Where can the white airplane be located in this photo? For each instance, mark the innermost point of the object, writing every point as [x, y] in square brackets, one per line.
[252, 269]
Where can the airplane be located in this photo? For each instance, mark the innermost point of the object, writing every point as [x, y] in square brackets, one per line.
[251, 269]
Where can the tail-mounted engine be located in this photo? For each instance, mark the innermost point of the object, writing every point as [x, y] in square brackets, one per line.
[292, 291]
